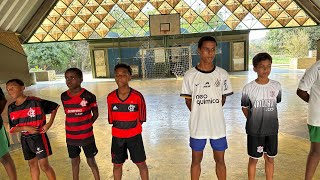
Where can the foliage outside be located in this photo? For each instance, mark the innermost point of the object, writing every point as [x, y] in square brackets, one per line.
[284, 44]
[58, 56]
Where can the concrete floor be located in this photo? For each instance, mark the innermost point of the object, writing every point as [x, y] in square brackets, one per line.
[166, 132]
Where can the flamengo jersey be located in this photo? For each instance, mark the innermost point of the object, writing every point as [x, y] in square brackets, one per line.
[126, 115]
[311, 82]
[32, 112]
[78, 108]
[206, 90]
[261, 101]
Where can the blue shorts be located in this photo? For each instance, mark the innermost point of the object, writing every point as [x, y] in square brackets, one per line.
[216, 144]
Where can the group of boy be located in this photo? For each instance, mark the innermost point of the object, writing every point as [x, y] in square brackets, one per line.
[205, 88]
[27, 115]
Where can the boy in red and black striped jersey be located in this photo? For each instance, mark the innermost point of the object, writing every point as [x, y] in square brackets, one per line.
[81, 111]
[127, 112]
[28, 116]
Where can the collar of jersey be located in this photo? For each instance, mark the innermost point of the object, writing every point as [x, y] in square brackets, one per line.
[126, 98]
[206, 71]
[78, 94]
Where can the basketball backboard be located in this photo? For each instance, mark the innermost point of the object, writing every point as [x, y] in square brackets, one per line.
[168, 24]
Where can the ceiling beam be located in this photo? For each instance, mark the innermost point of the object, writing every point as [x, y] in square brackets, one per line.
[8, 12]
[310, 8]
[16, 27]
[16, 15]
[37, 19]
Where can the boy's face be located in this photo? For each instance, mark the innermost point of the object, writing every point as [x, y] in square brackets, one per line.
[207, 51]
[72, 80]
[14, 90]
[263, 68]
[122, 77]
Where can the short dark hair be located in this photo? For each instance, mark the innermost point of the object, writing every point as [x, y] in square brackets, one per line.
[261, 57]
[77, 71]
[123, 65]
[18, 81]
[206, 38]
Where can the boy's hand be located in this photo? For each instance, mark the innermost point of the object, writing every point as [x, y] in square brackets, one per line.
[31, 129]
[45, 128]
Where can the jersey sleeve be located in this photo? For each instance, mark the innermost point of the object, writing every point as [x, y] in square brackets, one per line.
[245, 100]
[109, 104]
[48, 106]
[12, 122]
[186, 90]
[93, 101]
[142, 110]
[309, 77]
[226, 87]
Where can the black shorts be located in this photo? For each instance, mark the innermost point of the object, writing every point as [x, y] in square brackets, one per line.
[36, 146]
[120, 147]
[256, 145]
[89, 150]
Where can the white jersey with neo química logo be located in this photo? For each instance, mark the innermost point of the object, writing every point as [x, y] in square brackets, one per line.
[206, 90]
[310, 82]
[261, 101]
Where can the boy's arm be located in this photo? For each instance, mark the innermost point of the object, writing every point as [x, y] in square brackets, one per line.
[95, 113]
[303, 95]
[51, 108]
[245, 111]
[110, 120]
[29, 129]
[188, 103]
[142, 110]
[94, 108]
[47, 126]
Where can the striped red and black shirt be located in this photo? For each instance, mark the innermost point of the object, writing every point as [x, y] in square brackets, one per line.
[32, 112]
[78, 109]
[126, 115]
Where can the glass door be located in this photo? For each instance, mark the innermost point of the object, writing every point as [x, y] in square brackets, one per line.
[100, 63]
[238, 58]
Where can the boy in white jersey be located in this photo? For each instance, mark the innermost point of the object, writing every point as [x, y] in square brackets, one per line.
[205, 88]
[309, 91]
[259, 105]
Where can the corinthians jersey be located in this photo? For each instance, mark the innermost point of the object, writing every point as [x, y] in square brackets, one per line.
[261, 101]
[126, 115]
[310, 82]
[206, 90]
[78, 110]
[32, 112]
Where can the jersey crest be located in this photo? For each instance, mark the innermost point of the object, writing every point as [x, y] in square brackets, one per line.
[131, 107]
[84, 102]
[31, 113]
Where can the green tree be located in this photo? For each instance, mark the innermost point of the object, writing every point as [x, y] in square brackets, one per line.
[314, 35]
[296, 43]
[274, 41]
[81, 58]
[49, 56]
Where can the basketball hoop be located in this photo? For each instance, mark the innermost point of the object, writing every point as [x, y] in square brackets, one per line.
[164, 32]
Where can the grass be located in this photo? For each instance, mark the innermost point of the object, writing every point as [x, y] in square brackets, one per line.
[277, 59]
